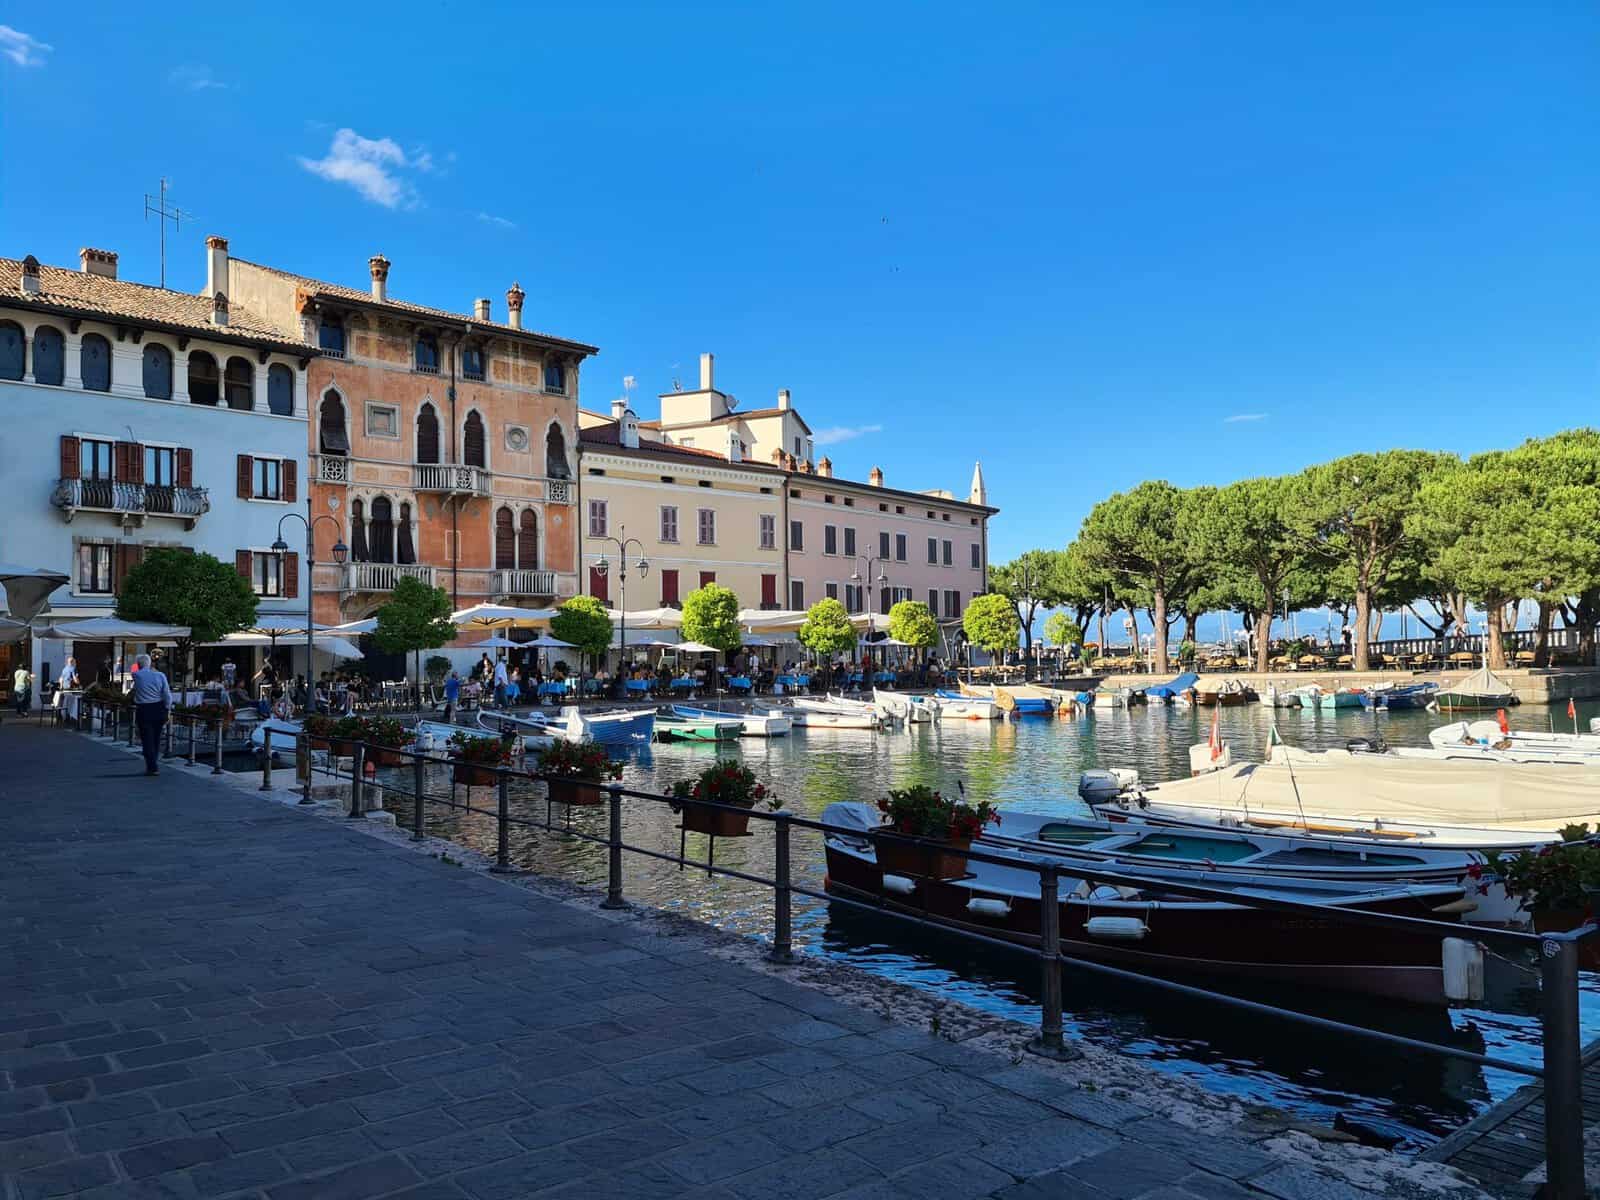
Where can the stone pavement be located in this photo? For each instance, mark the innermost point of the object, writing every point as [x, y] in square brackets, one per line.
[204, 994]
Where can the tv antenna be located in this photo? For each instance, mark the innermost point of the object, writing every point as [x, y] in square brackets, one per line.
[157, 204]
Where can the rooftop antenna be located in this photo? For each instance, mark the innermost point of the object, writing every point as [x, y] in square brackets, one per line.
[157, 204]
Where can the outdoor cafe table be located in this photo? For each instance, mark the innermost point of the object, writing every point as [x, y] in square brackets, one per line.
[883, 677]
[684, 685]
[794, 680]
[552, 689]
[739, 683]
[641, 686]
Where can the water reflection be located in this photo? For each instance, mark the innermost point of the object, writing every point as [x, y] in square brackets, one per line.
[1034, 764]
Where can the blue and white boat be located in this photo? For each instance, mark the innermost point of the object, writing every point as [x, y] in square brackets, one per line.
[1393, 696]
[766, 723]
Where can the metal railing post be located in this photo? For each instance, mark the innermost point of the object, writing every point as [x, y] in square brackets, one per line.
[782, 919]
[357, 761]
[1563, 1070]
[216, 763]
[169, 727]
[614, 854]
[1050, 1043]
[266, 759]
[417, 768]
[194, 742]
[131, 722]
[502, 842]
[302, 745]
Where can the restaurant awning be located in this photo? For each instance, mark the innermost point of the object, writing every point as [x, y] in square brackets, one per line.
[111, 629]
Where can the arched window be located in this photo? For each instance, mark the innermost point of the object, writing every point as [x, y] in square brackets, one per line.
[157, 372]
[205, 384]
[330, 335]
[427, 354]
[13, 350]
[358, 532]
[528, 541]
[405, 550]
[94, 363]
[280, 390]
[427, 435]
[472, 441]
[240, 383]
[332, 437]
[505, 541]
[381, 535]
[555, 453]
[49, 356]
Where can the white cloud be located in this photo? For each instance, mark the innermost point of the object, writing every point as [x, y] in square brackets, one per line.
[497, 222]
[835, 434]
[1238, 417]
[194, 77]
[373, 166]
[21, 48]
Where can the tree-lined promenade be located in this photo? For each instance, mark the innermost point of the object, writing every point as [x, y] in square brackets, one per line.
[1361, 535]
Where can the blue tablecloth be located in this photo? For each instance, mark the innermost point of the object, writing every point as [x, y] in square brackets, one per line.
[637, 685]
[795, 680]
[684, 685]
[855, 677]
[739, 681]
[513, 693]
[552, 689]
[883, 677]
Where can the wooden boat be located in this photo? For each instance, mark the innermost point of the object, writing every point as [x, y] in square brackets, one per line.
[672, 727]
[1139, 924]
[961, 707]
[1392, 697]
[1482, 689]
[1229, 694]
[756, 723]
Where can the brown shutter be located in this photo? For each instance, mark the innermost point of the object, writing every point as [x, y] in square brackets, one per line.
[597, 585]
[769, 590]
[119, 460]
[241, 563]
[291, 574]
[69, 456]
[185, 467]
[124, 559]
[289, 492]
[245, 468]
[135, 462]
[669, 587]
[707, 578]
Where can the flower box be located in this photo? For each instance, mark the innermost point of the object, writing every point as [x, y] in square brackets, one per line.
[577, 792]
[342, 747]
[716, 822]
[934, 860]
[384, 756]
[316, 743]
[475, 775]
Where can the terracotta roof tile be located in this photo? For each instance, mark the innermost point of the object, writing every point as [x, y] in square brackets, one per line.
[88, 295]
[608, 435]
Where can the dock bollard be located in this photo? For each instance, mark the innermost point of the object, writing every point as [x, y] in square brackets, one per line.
[167, 727]
[782, 923]
[614, 854]
[502, 845]
[216, 764]
[1050, 1043]
[193, 741]
[417, 768]
[302, 746]
[1563, 1070]
[266, 759]
[357, 761]
[131, 723]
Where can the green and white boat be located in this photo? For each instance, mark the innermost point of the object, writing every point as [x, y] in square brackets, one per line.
[673, 728]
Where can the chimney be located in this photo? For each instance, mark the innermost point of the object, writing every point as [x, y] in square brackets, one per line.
[216, 265]
[480, 309]
[514, 298]
[618, 407]
[735, 447]
[783, 398]
[30, 276]
[380, 277]
[825, 467]
[628, 430]
[219, 309]
[98, 262]
[875, 477]
[706, 363]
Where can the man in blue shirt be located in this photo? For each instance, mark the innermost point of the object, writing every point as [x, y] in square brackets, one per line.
[452, 693]
[152, 698]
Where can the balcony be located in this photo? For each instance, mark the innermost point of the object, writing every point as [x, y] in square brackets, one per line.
[333, 468]
[133, 502]
[381, 577]
[450, 478]
[558, 491]
[524, 583]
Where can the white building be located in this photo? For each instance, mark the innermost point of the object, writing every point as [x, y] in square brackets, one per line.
[135, 417]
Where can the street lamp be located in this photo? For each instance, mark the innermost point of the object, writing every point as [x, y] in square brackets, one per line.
[642, 566]
[874, 564]
[340, 552]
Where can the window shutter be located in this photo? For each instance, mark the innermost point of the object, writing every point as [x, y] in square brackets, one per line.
[119, 460]
[769, 590]
[69, 456]
[125, 559]
[707, 578]
[289, 489]
[669, 587]
[185, 467]
[291, 574]
[135, 462]
[597, 585]
[241, 563]
[245, 467]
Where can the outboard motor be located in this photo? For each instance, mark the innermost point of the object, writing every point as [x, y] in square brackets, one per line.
[1364, 745]
[1102, 785]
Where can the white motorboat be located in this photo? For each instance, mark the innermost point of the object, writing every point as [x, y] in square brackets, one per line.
[905, 707]
[953, 706]
[768, 722]
[822, 714]
[1485, 740]
[283, 734]
[615, 727]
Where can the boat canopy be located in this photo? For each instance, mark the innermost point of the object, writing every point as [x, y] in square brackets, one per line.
[1166, 691]
[1482, 682]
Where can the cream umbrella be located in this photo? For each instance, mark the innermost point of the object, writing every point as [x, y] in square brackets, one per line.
[501, 616]
[27, 588]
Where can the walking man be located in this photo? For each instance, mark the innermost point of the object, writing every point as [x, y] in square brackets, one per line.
[152, 698]
[22, 689]
[452, 693]
[500, 681]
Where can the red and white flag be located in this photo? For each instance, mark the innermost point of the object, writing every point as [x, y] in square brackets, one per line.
[1500, 715]
[1572, 709]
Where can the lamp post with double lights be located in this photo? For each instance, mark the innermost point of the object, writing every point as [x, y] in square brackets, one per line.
[874, 575]
[622, 542]
[340, 552]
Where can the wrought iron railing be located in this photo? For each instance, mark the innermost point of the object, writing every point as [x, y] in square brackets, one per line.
[137, 499]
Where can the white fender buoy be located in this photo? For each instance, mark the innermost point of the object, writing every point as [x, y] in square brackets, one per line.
[1463, 971]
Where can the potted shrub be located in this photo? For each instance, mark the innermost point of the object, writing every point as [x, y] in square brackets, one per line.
[344, 734]
[385, 738]
[317, 727]
[577, 772]
[477, 758]
[1556, 885]
[947, 825]
[727, 782]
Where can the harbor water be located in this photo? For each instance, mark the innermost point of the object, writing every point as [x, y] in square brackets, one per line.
[1033, 763]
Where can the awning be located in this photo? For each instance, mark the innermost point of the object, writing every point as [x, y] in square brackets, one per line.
[648, 618]
[334, 645]
[101, 629]
[759, 620]
[500, 616]
[695, 648]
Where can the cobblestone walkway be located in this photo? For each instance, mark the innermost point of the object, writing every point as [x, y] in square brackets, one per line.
[202, 994]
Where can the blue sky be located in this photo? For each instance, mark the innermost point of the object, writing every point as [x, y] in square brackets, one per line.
[1087, 244]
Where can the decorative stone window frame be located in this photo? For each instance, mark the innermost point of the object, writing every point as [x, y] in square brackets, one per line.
[371, 407]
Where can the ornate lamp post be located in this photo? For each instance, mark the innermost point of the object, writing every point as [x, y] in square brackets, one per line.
[642, 566]
[874, 568]
[340, 552]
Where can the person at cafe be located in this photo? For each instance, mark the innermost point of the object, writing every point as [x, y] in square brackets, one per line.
[152, 701]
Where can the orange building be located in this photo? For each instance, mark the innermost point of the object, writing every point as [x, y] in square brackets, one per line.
[444, 445]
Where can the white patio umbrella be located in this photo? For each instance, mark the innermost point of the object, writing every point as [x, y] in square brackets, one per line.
[12, 631]
[760, 620]
[334, 645]
[695, 648]
[27, 588]
[647, 618]
[500, 643]
[351, 628]
[111, 629]
[500, 616]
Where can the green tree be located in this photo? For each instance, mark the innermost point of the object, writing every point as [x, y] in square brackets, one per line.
[990, 623]
[584, 622]
[1142, 539]
[1031, 581]
[1084, 587]
[711, 616]
[174, 587]
[911, 622]
[827, 629]
[1062, 630]
[415, 618]
[1247, 525]
[1354, 511]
